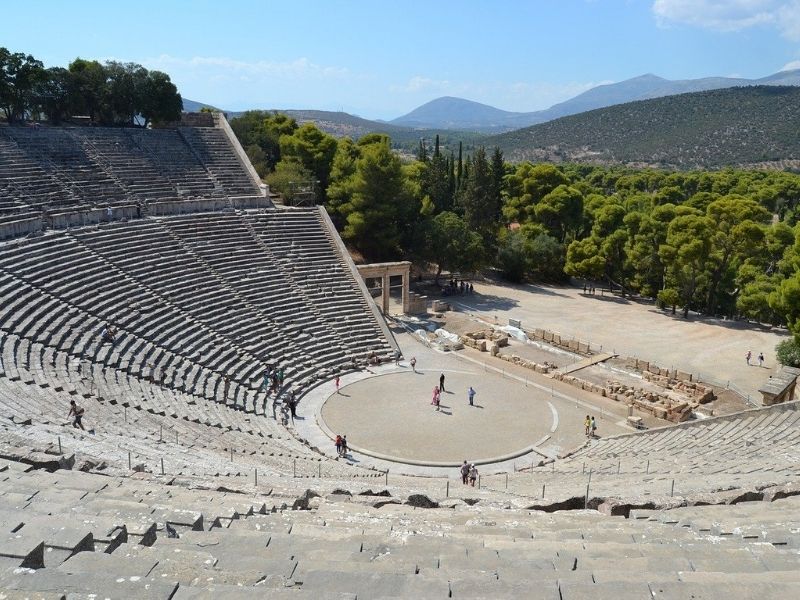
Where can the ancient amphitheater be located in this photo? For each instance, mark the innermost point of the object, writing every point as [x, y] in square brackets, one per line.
[184, 486]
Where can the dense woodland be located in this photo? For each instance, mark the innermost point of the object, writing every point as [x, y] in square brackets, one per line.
[723, 243]
[112, 93]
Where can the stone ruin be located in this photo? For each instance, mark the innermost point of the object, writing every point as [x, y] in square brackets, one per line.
[486, 340]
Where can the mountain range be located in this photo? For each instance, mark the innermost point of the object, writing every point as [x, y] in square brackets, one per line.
[457, 113]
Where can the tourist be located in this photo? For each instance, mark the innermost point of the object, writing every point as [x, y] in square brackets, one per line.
[344, 445]
[293, 404]
[336, 382]
[435, 397]
[471, 395]
[76, 412]
[464, 473]
[265, 381]
[471, 289]
[748, 356]
[414, 364]
[473, 474]
[274, 383]
[108, 334]
[587, 425]
[280, 377]
[760, 359]
[227, 387]
[441, 382]
[397, 357]
[594, 428]
[338, 445]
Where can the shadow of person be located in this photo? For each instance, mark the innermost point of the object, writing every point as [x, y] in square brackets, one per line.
[446, 412]
[342, 394]
[477, 405]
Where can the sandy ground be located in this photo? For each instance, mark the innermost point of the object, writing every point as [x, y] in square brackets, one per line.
[714, 349]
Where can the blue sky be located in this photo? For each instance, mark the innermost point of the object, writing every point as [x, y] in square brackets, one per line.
[380, 59]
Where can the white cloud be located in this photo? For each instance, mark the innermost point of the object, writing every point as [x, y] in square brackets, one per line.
[791, 66]
[299, 68]
[731, 15]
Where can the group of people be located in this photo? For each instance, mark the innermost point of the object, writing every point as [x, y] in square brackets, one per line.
[748, 357]
[590, 427]
[341, 445]
[454, 287]
[469, 473]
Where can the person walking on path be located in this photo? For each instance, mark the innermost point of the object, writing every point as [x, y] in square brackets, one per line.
[587, 425]
[414, 364]
[473, 474]
[344, 445]
[441, 383]
[338, 445]
[397, 357]
[748, 356]
[760, 359]
[76, 412]
[465, 473]
[337, 381]
[471, 395]
[594, 428]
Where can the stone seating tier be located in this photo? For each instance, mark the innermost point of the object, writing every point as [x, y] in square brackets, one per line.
[167, 541]
[53, 167]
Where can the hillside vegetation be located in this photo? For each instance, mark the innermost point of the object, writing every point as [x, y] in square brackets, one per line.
[735, 126]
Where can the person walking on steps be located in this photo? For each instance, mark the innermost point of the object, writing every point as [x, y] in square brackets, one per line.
[441, 383]
[344, 446]
[338, 445]
[471, 395]
[76, 412]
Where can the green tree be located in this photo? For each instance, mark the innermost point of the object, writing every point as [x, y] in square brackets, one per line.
[370, 198]
[314, 149]
[160, 101]
[737, 234]
[88, 88]
[685, 254]
[263, 129]
[560, 211]
[53, 95]
[476, 200]
[289, 179]
[452, 246]
[20, 74]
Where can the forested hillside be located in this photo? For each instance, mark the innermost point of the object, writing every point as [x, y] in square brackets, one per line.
[729, 127]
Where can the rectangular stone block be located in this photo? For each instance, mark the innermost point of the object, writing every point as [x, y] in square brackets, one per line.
[557, 339]
[548, 336]
[681, 376]
[538, 333]
[583, 347]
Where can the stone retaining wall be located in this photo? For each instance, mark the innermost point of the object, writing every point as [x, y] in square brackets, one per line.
[20, 227]
[556, 339]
